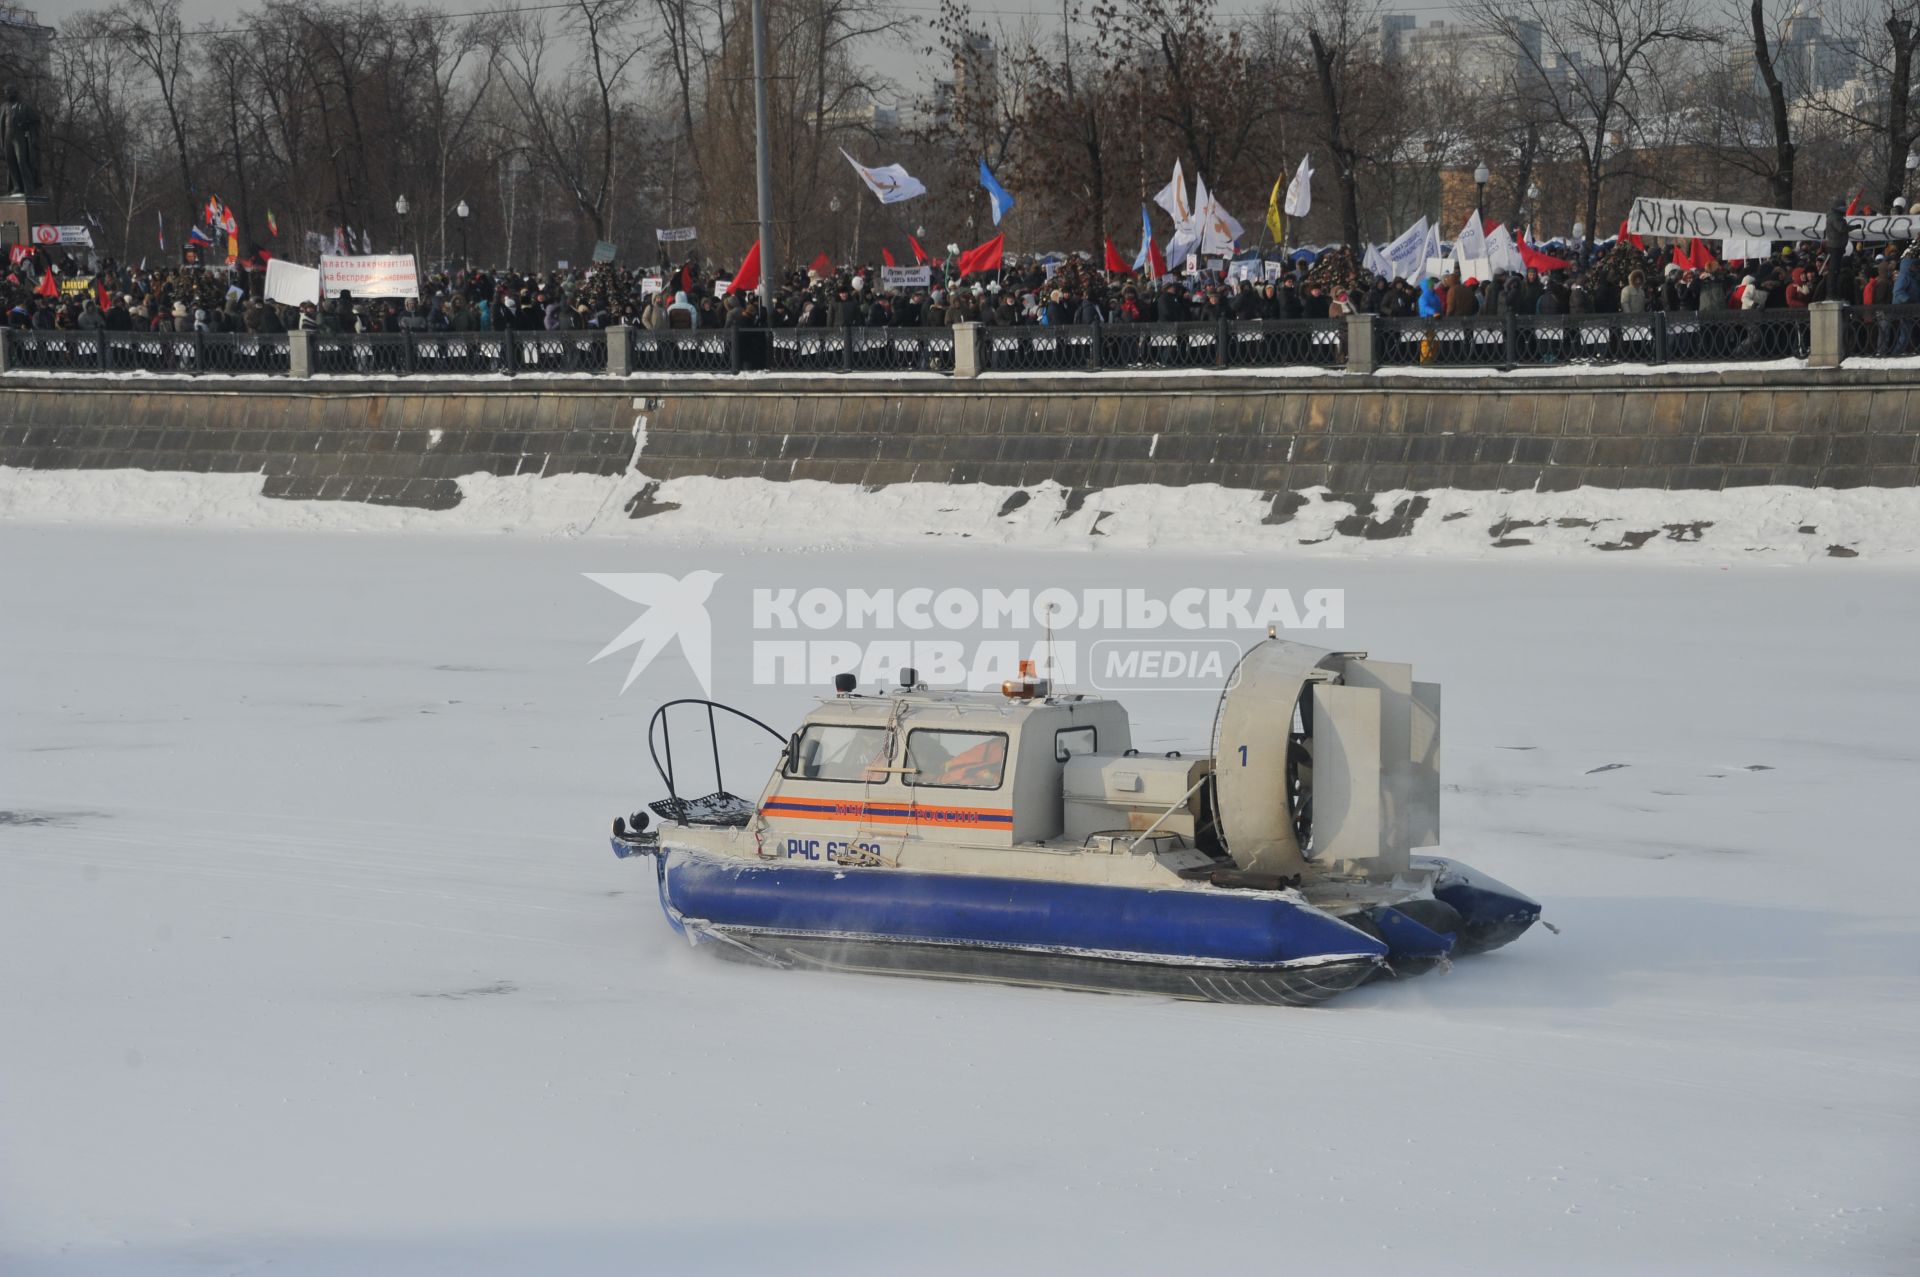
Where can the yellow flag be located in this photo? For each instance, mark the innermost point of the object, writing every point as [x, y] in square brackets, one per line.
[1274, 224]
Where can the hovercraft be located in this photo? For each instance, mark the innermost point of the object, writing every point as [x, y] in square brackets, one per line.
[1018, 836]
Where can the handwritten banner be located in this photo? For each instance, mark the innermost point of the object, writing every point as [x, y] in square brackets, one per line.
[1688, 219]
[675, 235]
[905, 276]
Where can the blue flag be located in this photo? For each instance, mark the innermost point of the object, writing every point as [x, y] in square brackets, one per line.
[1146, 240]
[1002, 202]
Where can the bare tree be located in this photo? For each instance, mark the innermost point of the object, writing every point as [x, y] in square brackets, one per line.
[153, 32]
[1589, 58]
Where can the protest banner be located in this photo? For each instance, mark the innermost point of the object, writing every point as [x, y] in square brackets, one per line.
[905, 276]
[380, 275]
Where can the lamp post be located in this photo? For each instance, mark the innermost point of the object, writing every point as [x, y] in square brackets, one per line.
[1913, 162]
[462, 212]
[1533, 210]
[400, 206]
[1480, 176]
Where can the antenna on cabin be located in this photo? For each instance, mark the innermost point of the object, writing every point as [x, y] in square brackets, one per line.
[1050, 611]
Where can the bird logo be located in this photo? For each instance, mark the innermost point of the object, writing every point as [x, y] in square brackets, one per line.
[676, 608]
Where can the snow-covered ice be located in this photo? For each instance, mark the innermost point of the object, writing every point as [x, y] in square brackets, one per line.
[313, 958]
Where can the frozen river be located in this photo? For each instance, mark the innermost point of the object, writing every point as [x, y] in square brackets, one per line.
[313, 958]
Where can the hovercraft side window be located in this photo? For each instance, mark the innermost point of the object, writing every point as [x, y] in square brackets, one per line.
[832, 751]
[955, 760]
[1069, 741]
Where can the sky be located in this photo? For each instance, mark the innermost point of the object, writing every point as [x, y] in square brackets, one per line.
[902, 61]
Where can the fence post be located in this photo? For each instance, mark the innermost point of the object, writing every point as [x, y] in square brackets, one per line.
[1826, 334]
[846, 348]
[619, 352]
[1220, 344]
[299, 352]
[406, 342]
[1511, 335]
[1360, 350]
[967, 342]
[1093, 350]
[1659, 336]
[100, 335]
[510, 351]
[6, 351]
[733, 349]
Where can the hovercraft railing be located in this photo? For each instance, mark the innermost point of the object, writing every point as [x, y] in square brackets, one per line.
[722, 806]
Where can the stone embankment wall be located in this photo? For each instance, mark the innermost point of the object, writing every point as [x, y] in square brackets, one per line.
[405, 443]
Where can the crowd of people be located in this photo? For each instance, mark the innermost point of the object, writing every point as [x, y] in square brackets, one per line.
[1625, 279]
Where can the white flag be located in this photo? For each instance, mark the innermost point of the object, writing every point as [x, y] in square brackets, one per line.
[1173, 198]
[1473, 239]
[1503, 253]
[1300, 190]
[1408, 253]
[1214, 225]
[366, 240]
[891, 183]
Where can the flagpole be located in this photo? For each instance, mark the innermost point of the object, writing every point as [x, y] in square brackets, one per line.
[763, 158]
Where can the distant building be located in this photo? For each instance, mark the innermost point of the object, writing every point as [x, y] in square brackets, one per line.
[26, 47]
[976, 72]
[1478, 56]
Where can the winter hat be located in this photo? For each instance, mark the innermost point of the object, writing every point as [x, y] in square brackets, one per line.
[179, 310]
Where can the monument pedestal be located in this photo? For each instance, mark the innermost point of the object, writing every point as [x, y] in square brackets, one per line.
[19, 214]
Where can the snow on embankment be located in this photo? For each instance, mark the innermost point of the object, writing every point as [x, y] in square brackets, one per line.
[1776, 523]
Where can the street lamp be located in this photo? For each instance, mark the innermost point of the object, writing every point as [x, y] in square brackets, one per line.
[400, 206]
[1480, 176]
[462, 212]
[1533, 210]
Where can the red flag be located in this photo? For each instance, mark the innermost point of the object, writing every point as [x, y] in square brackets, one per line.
[49, 287]
[1116, 264]
[686, 281]
[1630, 237]
[1537, 260]
[1853, 205]
[886, 257]
[919, 253]
[747, 278]
[822, 265]
[1156, 260]
[986, 257]
[1683, 260]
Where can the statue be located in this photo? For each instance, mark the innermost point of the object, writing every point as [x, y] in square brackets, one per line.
[1839, 267]
[20, 140]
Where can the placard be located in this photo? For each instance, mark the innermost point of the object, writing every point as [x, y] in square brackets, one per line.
[291, 284]
[905, 276]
